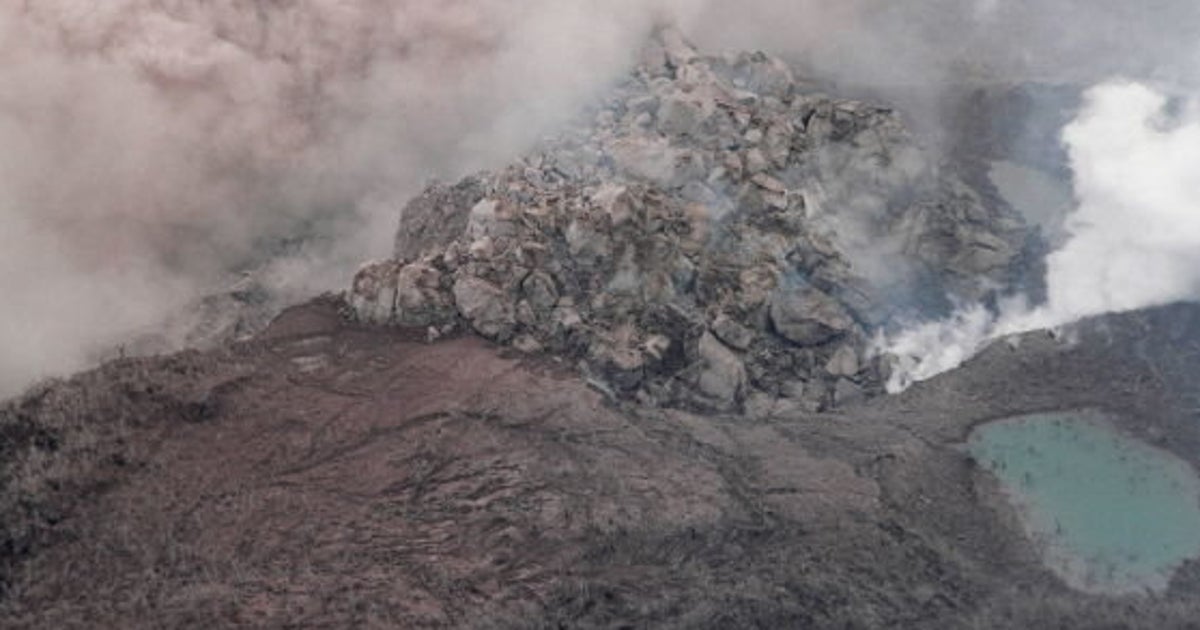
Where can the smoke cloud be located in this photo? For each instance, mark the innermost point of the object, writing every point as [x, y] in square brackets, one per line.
[151, 148]
[1132, 242]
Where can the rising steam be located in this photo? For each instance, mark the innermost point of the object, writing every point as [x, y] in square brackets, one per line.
[1133, 241]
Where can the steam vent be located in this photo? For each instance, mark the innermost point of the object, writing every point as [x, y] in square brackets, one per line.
[815, 339]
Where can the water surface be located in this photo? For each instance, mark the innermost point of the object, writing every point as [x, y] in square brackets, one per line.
[1108, 513]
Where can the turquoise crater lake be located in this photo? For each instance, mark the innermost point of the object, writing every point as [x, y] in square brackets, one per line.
[1108, 513]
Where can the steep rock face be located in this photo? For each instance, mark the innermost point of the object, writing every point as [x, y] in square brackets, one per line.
[714, 231]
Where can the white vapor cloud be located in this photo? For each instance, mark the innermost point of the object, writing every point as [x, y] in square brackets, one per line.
[1133, 241]
[1135, 237]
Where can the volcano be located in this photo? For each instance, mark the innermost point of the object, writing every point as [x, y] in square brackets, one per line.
[632, 379]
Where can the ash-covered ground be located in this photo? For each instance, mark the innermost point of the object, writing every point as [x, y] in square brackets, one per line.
[330, 475]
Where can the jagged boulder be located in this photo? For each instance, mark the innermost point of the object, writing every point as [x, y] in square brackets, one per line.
[722, 375]
[421, 299]
[372, 295]
[486, 306]
[807, 317]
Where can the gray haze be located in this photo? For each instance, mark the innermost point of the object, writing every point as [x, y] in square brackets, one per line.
[150, 147]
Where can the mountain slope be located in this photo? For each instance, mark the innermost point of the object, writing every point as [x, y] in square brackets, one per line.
[326, 474]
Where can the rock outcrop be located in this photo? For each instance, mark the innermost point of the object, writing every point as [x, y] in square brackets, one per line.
[716, 231]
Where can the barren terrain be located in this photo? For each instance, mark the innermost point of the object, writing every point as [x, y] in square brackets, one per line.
[328, 475]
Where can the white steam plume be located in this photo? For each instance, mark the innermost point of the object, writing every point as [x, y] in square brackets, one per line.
[1134, 239]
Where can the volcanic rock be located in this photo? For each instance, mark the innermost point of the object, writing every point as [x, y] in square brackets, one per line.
[808, 317]
[373, 294]
[716, 203]
[485, 306]
[420, 300]
[722, 375]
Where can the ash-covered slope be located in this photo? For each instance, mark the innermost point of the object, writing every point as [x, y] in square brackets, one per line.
[717, 235]
[328, 474]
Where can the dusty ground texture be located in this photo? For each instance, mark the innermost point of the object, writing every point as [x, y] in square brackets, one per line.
[328, 475]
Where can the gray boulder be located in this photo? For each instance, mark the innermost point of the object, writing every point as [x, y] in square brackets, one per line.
[485, 306]
[722, 375]
[420, 299]
[372, 295]
[808, 317]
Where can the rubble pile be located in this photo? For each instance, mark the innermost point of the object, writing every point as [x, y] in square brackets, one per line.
[719, 235]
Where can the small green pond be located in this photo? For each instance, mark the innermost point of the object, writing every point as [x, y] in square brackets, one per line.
[1108, 513]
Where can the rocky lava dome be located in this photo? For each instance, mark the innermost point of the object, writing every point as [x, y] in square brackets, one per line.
[718, 235]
